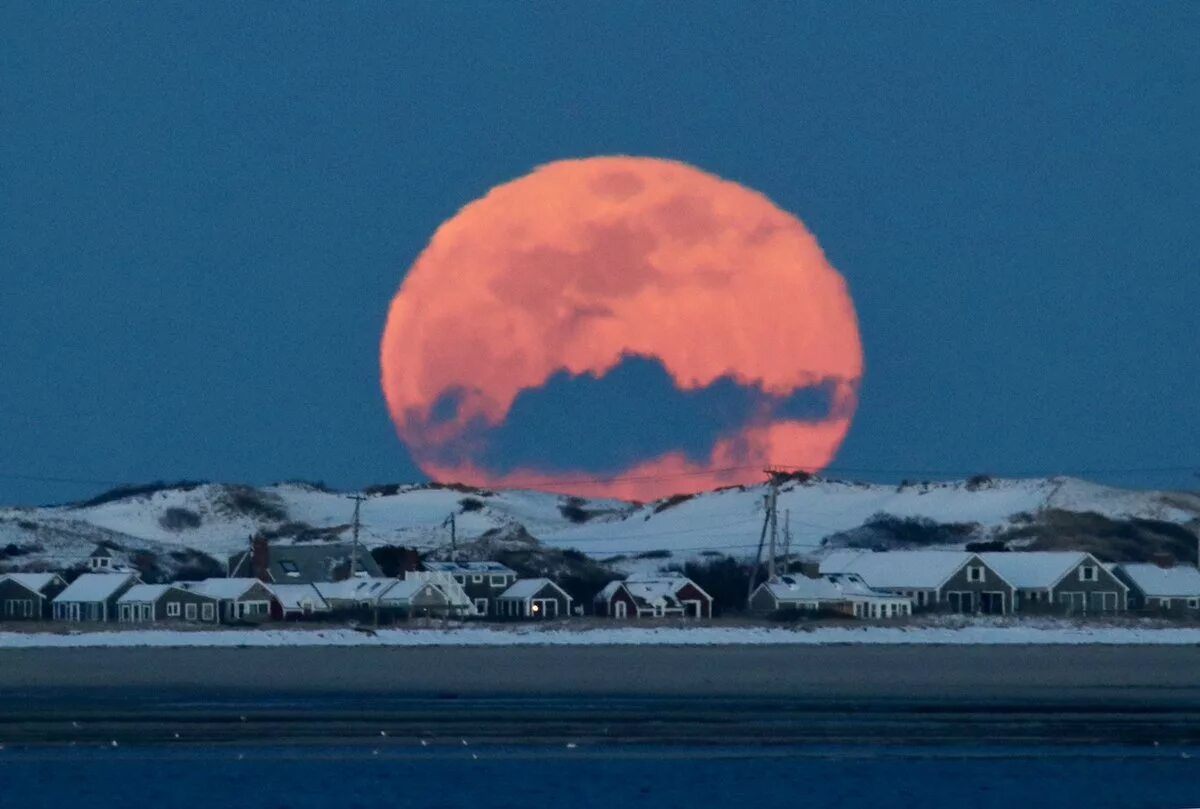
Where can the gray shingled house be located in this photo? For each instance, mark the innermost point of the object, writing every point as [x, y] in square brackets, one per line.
[93, 597]
[953, 581]
[305, 563]
[147, 603]
[482, 581]
[1060, 582]
[533, 598]
[28, 596]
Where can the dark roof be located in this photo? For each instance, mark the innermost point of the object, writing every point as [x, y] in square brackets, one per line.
[101, 552]
[308, 563]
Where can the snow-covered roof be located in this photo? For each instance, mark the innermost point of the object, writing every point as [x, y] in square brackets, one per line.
[471, 568]
[92, 587]
[528, 588]
[1033, 570]
[828, 587]
[32, 581]
[143, 593]
[222, 589]
[296, 596]
[403, 591]
[916, 570]
[357, 589]
[654, 592]
[609, 590]
[1181, 581]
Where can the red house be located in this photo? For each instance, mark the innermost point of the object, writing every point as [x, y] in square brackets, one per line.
[657, 596]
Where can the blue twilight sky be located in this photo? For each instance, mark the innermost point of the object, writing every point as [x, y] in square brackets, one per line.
[206, 208]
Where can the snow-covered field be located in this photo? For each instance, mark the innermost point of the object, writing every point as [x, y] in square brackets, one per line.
[1045, 633]
[217, 519]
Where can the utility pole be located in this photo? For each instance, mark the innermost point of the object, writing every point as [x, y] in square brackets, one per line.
[358, 499]
[449, 521]
[772, 499]
[758, 556]
[787, 541]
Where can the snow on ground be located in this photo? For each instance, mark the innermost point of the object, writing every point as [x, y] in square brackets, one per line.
[724, 522]
[1010, 635]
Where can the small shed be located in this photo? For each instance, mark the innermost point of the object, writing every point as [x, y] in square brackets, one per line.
[534, 598]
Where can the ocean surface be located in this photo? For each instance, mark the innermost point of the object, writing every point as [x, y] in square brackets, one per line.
[358, 777]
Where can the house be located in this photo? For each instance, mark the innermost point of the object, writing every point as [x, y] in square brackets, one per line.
[459, 602]
[239, 600]
[1070, 582]
[102, 560]
[28, 596]
[839, 592]
[533, 598]
[305, 563]
[957, 581]
[300, 600]
[1171, 589]
[93, 597]
[649, 596]
[482, 581]
[390, 598]
[409, 597]
[145, 603]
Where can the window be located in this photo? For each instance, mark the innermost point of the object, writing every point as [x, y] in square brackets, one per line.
[477, 578]
[208, 611]
[499, 581]
[190, 611]
[481, 606]
[289, 567]
[172, 609]
[975, 573]
[1088, 573]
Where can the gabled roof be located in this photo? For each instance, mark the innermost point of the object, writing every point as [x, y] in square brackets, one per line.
[1181, 581]
[829, 587]
[1035, 570]
[307, 563]
[100, 552]
[142, 593]
[471, 568]
[221, 589]
[92, 587]
[654, 593]
[37, 582]
[357, 589]
[608, 591]
[293, 597]
[898, 570]
[527, 588]
[403, 591]
[673, 579]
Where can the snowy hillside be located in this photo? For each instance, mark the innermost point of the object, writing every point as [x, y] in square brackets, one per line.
[214, 519]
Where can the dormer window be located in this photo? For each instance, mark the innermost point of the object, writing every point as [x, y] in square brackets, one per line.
[1088, 573]
[975, 573]
[289, 567]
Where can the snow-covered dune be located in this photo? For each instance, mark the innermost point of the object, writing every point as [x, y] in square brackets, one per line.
[217, 519]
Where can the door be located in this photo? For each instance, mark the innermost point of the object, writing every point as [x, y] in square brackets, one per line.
[992, 603]
[619, 609]
[963, 602]
[546, 608]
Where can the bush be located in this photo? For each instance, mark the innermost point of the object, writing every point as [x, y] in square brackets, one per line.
[126, 492]
[660, 554]
[726, 580]
[672, 501]
[179, 519]
[253, 503]
[471, 504]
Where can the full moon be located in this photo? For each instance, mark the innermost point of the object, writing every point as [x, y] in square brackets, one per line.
[582, 265]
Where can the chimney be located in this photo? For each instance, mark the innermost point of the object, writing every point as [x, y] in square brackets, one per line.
[1163, 560]
[410, 559]
[260, 557]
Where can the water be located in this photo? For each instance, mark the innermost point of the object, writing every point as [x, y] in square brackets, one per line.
[660, 777]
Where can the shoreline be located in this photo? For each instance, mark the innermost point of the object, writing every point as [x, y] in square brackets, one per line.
[1025, 633]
